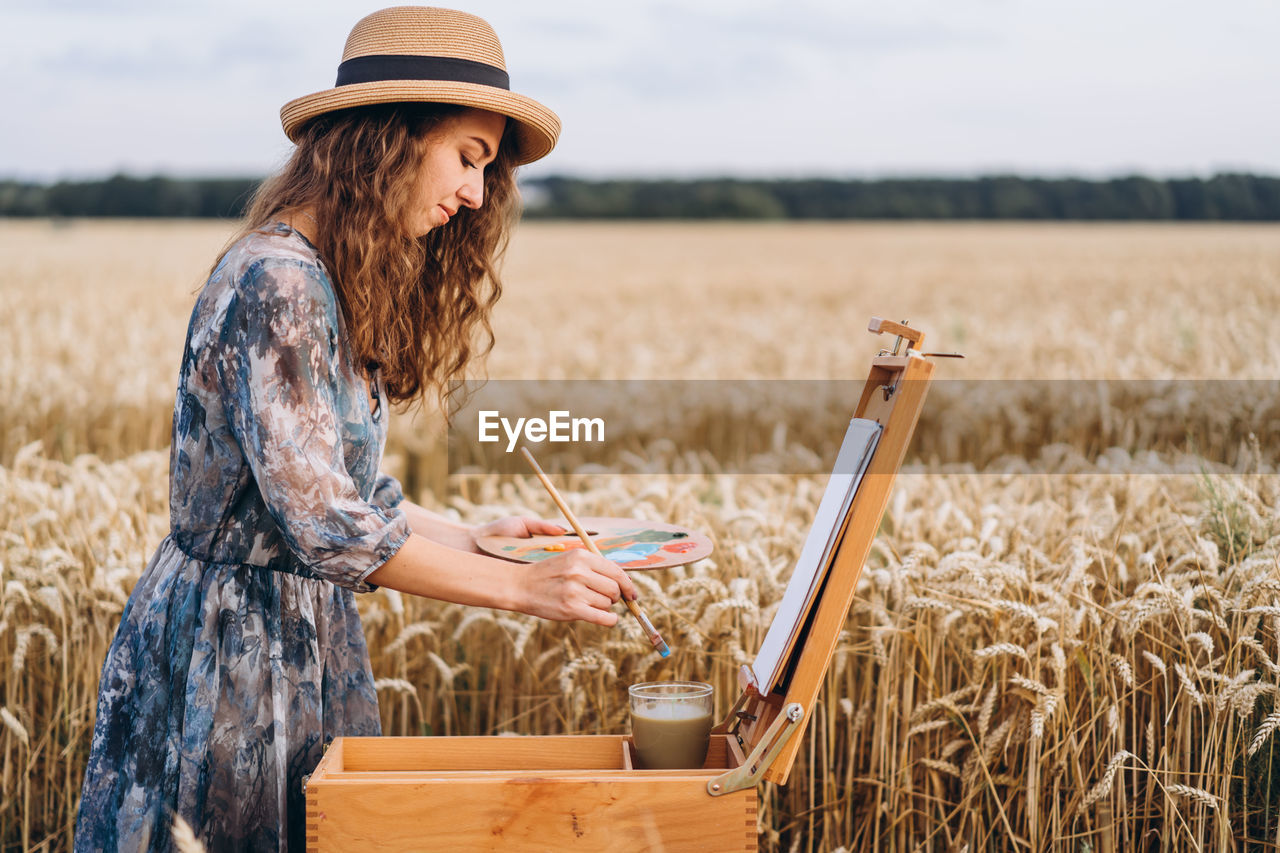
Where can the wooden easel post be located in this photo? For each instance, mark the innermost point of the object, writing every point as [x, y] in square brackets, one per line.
[893, 396]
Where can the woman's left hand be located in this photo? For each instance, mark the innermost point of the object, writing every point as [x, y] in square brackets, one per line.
[519, 527]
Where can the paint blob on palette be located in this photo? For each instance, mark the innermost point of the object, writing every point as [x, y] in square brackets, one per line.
[629, 542]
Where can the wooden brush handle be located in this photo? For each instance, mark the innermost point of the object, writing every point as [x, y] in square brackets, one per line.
[654, 637]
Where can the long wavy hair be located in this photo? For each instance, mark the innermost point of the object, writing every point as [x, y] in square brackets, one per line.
[418, 307]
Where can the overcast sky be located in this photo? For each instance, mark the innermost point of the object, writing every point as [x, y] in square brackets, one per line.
[705, 87]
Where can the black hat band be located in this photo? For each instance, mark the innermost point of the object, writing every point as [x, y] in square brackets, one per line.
[380, 67]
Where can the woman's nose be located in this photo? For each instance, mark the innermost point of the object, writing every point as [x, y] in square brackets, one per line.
[471, 193]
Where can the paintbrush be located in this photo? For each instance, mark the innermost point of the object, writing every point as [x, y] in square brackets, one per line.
[647, 626]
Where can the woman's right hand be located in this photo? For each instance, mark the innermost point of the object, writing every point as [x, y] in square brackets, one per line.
[574, 585]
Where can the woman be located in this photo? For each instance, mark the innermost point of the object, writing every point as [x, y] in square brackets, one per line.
[364, 273]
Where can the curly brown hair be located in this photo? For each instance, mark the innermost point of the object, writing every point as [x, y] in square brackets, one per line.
[418, 307]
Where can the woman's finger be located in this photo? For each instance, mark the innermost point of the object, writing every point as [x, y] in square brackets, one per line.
[601, 582]
[539, 527]
[607, 618]
[620, 578]
[596, 600]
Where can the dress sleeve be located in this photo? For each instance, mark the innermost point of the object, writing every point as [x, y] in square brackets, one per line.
[277, 369]
[387, 492]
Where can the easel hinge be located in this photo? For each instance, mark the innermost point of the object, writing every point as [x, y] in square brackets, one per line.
[737, 715]
[751, 771]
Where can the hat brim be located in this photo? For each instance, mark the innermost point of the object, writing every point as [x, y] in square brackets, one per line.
[536, 131]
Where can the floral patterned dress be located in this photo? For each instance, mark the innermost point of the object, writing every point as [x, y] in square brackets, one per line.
[240, 653]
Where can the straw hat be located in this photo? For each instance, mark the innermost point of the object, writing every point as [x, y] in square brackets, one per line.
[417, 53]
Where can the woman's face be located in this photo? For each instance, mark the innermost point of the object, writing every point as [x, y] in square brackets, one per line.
[452, 173]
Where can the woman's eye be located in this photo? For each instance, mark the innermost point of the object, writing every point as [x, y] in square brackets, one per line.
[467, 163]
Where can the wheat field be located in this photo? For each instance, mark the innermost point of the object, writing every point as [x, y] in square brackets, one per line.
[1067, 636]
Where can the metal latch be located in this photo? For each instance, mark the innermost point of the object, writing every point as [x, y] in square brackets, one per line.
[751, 771]
[736, 717]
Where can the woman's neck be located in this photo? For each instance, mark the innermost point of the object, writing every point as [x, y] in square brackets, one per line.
[304, 222]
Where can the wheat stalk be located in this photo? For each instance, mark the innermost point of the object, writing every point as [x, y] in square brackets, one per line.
[1200, 795]
[1103, 786]
[1269, 725]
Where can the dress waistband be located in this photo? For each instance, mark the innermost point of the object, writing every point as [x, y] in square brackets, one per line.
[286, 564]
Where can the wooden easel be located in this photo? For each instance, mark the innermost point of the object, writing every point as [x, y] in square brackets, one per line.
[893, 396]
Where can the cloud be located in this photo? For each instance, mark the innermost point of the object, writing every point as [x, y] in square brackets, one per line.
[664, 52]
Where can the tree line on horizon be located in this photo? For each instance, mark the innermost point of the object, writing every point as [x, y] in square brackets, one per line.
[1225, 197]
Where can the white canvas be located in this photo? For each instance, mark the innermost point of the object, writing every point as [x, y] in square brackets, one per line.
[851, 463]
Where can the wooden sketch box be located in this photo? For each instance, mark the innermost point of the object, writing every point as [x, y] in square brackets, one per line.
[585, 792]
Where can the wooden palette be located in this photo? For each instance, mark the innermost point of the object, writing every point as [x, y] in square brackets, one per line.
[629, 542]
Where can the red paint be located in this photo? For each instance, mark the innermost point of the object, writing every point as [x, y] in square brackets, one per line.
[679, 547]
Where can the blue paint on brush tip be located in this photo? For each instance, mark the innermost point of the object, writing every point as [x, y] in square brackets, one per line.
[664, 651]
